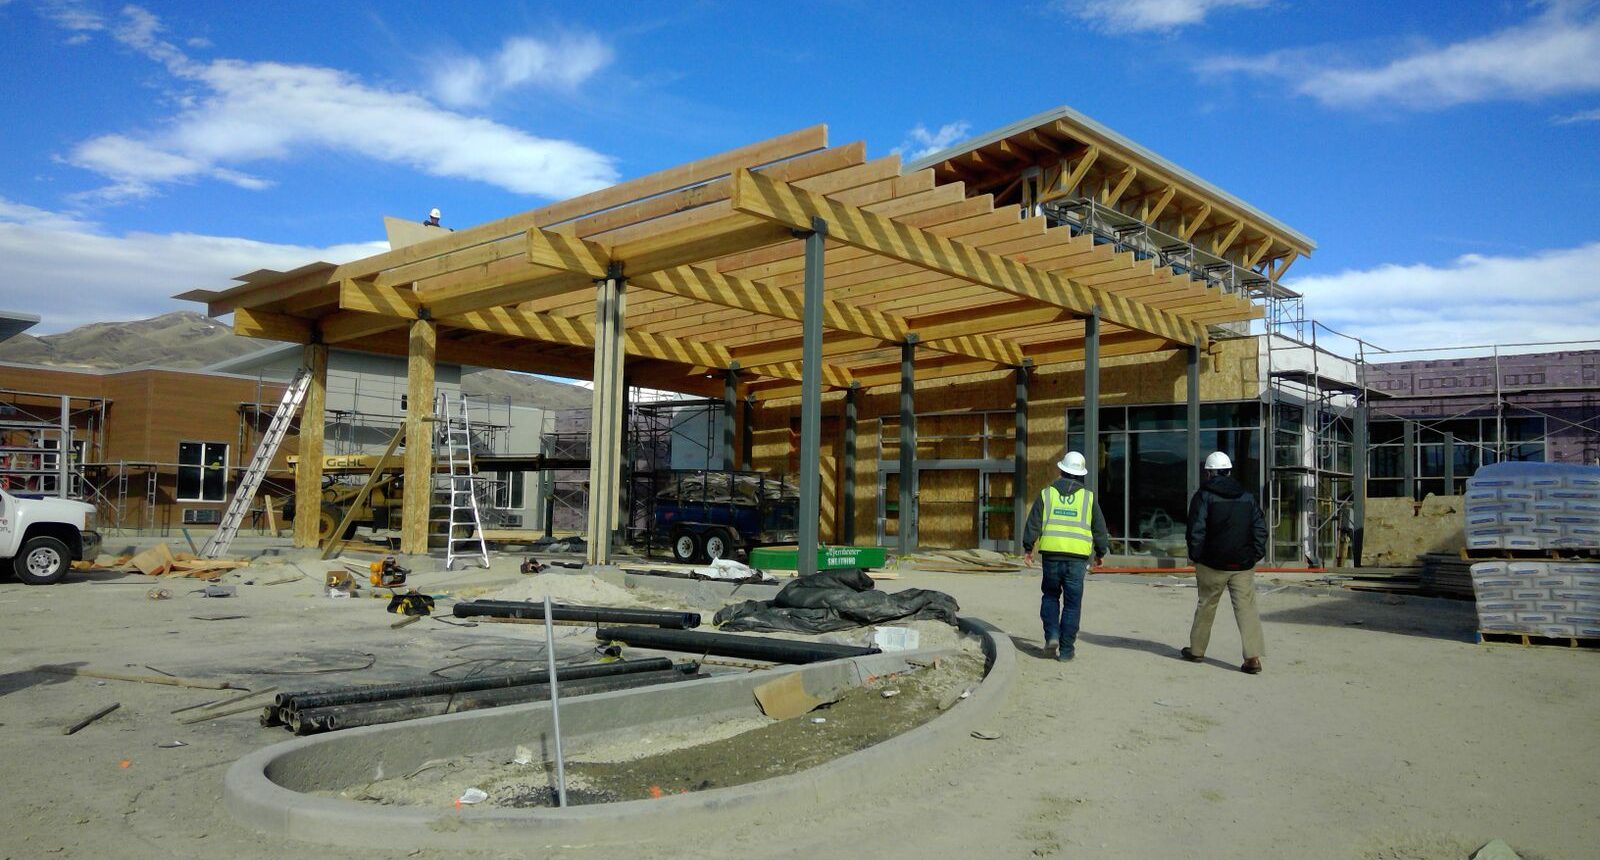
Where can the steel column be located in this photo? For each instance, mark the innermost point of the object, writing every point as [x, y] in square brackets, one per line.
[907, 506]
[1091, 396]
[811, 398]
[1019, 464]
[1408, 458]
[730, 394]
[63, 458]
[1449, 464]
[848, 514]
[1192, 421]
[748, 433]
[1358, 485]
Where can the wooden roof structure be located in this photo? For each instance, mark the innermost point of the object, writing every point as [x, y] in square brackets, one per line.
[714, 270]
[1074, 157]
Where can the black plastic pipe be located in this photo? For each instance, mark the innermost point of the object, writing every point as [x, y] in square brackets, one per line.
[588, 614]
[730, 645]
[387, 692]
[315, 720]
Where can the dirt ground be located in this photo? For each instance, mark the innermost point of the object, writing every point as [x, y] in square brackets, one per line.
[1379, 730]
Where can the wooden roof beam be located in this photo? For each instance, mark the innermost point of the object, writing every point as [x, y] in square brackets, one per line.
[795, 208]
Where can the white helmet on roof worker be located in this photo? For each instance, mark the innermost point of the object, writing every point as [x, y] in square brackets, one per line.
[433, 213]
[1217, 461]
[1074, 464]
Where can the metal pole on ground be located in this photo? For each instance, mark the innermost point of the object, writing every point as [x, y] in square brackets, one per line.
[1091, 396]
[555, 702]
[811, 399]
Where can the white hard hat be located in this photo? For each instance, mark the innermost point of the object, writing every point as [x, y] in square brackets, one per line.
[1216, 461]
[433, 213]
[1073, 464]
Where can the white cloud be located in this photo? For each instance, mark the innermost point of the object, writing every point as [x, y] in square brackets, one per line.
[1580, 116]
[466, 81]
[1552, 295]
[70, 272]
[72, 15]
[1141, 16]
[1556, 52]
[920, 142]
[250, 112]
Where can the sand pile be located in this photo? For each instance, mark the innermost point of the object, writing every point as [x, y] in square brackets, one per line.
[576, 588]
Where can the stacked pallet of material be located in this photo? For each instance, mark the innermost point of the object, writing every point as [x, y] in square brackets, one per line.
[1533, 506]
[1538, 598]
[966, 561]
[1445, 575]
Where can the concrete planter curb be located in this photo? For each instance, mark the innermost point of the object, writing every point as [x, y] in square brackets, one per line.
[265, 790]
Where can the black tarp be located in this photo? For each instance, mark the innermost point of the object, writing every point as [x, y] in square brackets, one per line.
[835, 600]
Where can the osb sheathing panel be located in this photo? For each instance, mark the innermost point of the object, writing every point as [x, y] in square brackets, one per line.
[947, 508]
[1228, 371]
[1397, 530]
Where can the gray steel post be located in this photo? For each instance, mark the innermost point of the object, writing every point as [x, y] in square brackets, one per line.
[848, 514]
[1019, 464]
[1358, 485]
[1449, 464]
[907, 542]
[555, 703]
[730, 384]
[1091, 396]
[1192, 422]
[811, 398]
[748, 432]
[1408, 458]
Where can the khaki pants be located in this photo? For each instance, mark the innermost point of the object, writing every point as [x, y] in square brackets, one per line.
[1241, 587]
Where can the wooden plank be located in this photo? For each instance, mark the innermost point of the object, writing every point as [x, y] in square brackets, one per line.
[308, 469]
[267, 325]
[786, 205]
[353, 325]
[417, 499]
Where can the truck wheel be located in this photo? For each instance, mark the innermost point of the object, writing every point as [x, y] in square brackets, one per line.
[685, 546]
[716, 546]
[42, 561]
[329, 520]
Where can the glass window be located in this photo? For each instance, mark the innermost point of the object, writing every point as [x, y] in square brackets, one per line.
[508, 490]
[202, 471]
[1243, 414]
[1157, 418]
[1158, 472]
[1384, 432]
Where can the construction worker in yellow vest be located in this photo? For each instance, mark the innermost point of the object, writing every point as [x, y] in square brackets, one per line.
[1067, 528]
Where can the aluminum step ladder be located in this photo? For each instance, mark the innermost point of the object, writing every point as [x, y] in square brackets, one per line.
[244, 495]
[461, 497]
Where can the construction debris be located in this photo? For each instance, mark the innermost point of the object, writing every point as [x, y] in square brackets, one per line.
[966, 561]
[171, 681]
[73, 729]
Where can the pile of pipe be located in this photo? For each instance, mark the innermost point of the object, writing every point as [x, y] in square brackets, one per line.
[576, 614]
[315, 711]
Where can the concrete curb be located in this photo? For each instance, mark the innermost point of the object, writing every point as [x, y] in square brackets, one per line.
[258, 800]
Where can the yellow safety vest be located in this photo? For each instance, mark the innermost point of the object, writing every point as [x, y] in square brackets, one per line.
[1068, 522]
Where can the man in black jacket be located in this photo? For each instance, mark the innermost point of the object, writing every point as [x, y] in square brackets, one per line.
[1227, 537]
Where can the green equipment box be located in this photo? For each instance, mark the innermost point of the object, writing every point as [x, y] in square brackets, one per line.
[828, 557]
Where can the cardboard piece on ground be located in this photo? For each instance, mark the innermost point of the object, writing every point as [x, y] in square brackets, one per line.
[786, 697]
[154, 561]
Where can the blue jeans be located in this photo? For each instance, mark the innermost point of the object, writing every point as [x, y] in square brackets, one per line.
[1061, 606]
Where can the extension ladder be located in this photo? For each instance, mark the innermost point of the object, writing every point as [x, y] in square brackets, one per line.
[245, 493]
[461, 498]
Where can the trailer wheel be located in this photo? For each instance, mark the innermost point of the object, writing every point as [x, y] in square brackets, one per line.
[685, 546]
[716, 546]
[42, 561]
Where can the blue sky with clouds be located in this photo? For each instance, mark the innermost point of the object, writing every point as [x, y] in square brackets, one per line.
[1445, 156]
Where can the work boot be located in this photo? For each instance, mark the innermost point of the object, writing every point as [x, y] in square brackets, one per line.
[1050, 646]
[1251, 666]
[1066, 655]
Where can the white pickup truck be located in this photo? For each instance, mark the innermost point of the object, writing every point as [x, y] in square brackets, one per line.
[43, 537]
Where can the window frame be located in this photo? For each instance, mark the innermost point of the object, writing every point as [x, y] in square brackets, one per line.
[205, 448]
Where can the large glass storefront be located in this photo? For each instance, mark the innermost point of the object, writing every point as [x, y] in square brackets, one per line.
[1144, 468]
[1472, 441]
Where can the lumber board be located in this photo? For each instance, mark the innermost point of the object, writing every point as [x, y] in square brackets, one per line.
[786, 205]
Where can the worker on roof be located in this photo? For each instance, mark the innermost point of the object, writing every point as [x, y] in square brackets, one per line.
[433, 218]
[1068, 529]
[1227, 537]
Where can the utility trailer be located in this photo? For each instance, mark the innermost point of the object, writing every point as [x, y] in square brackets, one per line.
[707, 514]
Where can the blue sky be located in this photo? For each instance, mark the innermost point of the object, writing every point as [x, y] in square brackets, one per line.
[1446, 156]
